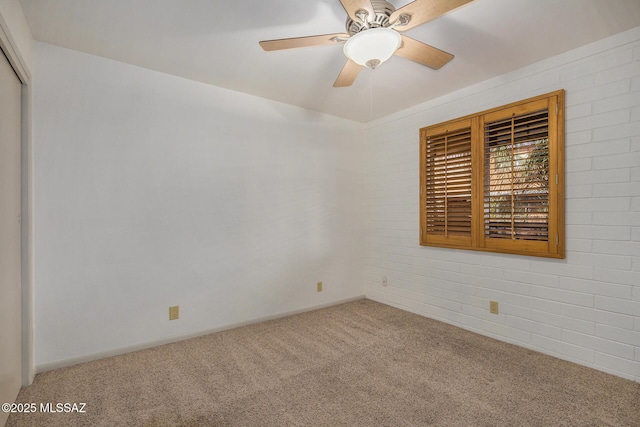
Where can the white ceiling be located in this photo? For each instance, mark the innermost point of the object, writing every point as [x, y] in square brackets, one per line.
[216, 42]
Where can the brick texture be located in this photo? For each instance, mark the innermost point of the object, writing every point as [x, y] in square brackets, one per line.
[585, 308]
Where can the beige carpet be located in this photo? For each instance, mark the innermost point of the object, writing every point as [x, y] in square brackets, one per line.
[357, 364]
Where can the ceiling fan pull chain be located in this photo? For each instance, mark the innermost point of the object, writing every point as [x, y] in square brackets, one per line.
[373, 71]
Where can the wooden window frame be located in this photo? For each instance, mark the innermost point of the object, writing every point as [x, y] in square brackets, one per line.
[554, 245]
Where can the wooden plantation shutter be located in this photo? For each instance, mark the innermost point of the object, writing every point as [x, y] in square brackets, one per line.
[517, 167]
[447, 183]
[516, 187]
[494, 180]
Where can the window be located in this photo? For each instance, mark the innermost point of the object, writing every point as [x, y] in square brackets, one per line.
[493, 181]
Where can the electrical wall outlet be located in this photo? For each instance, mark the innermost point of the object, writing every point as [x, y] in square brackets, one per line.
[493, 307]
[319, 287]
[174, 312]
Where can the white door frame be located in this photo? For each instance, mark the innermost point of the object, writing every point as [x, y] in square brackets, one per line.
[12, 52]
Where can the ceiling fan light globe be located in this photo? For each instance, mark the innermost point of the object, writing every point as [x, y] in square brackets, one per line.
[373, 46]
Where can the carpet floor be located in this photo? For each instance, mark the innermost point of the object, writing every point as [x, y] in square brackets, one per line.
[356, 364]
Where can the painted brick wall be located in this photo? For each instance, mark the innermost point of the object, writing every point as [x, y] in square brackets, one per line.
[585, 308]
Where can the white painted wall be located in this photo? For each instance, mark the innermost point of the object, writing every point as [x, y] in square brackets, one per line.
[585, 308]
[153, 190]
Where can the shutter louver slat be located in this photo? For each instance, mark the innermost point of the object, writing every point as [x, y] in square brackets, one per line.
[448, 184]
[516, 202]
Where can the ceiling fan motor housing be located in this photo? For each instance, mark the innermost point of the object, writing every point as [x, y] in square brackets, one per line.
[383, 11]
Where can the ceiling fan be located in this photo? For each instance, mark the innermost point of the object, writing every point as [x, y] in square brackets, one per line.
[373, 36]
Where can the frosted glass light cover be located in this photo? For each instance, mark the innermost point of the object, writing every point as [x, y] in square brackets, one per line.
[370, 48]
